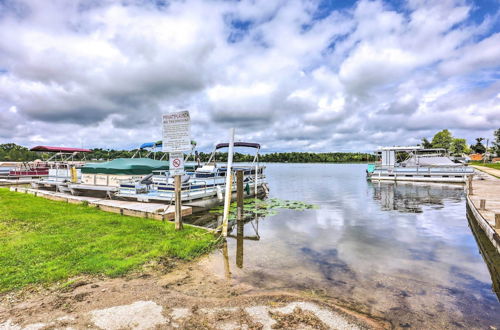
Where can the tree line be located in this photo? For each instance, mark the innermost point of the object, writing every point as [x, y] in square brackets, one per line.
[14, 152]
[442, 139]
[457, 146]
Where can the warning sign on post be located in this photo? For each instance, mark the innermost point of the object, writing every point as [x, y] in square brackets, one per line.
[176, 163]
[176, 132]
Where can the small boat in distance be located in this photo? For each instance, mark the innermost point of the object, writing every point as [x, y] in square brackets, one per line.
[417, 164]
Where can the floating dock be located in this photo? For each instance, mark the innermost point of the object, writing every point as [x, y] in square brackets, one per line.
[483, 203]
[134, 209]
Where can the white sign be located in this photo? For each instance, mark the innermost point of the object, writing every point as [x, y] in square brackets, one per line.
[176, 163]
[177, 132]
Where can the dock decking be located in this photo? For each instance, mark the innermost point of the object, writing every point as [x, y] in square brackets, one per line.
[14, 182]
[134, 209]
[486, 187]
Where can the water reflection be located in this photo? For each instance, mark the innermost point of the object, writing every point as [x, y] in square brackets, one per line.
[411, 197]
[489, 253]
[253, 224]
[400, 251]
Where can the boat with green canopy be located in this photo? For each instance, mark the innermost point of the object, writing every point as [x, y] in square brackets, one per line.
[104, 178]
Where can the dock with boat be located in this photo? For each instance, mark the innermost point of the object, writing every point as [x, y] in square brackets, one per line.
[417, 164]
[135, 209]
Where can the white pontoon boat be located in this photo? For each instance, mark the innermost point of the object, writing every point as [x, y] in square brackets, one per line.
[201, 189]
[417, 164]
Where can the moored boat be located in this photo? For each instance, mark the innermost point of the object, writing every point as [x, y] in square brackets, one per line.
[202, 188]
[62, 167]
[103, 179]
[417, 164]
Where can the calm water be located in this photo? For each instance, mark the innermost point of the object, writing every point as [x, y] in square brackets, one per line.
[404, 252]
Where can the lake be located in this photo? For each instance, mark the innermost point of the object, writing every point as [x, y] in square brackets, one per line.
[404, 252]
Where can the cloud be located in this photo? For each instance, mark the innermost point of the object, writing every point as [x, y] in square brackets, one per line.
[292, 75]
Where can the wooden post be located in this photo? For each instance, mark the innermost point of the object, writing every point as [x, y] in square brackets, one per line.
[178, 203]
[239, 219]
[497, 220]
[239, 194]
[470, 184]
[482, 204]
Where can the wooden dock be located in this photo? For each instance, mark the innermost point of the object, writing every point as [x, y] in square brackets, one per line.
[14, 182]
[134, 209]
[484, 203]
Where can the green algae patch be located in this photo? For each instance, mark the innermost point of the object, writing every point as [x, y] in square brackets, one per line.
[44, 241]
[262, 208]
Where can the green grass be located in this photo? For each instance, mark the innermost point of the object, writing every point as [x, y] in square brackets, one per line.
[490, 165]
[43, 241]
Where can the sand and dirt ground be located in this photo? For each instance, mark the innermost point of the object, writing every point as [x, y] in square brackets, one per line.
[169, 295]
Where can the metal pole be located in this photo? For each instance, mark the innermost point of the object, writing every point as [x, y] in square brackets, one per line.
[178, 203]
[229, 190]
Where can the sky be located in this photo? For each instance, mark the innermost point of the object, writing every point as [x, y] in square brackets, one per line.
[321, 76]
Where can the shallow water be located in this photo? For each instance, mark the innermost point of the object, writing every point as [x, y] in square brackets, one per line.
[404, 252]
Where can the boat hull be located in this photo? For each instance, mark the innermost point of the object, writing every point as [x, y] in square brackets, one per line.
[443, 175]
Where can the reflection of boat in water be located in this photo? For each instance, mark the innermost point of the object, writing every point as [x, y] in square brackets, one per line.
[417, 164]
[201, 189]
[408, 197]
[488, 252]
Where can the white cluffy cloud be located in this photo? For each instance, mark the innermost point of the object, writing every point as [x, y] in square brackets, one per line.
[292, 75]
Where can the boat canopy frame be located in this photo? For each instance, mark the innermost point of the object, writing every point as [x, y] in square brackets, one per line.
[65, 154]
[389, 154]
[236, 145]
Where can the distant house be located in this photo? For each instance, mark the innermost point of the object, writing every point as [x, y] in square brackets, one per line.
[476, 157]
[496, 160]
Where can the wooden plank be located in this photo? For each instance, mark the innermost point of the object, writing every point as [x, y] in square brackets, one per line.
[55, 198]
[135, 209]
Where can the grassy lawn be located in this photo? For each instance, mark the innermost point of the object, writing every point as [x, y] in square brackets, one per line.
[43, 241]
[490, 165]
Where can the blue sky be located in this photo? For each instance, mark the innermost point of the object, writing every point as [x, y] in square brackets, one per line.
[291, 75]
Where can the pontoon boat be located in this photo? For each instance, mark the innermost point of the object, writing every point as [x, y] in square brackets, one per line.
[417, 164]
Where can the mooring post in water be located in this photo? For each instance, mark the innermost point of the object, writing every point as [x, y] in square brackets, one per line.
[178, 203]
[482, 204]
[239, 219]
[497, 220]
[469, 178]
[229, 183]
[239, 194]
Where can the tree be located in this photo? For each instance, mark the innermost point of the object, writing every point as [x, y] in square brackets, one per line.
[496, 142]
[459, 147]
[442, 139]
[478, 148]
[426, 144]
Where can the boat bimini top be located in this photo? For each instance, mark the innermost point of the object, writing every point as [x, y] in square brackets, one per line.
[416, 156]
[65, 154]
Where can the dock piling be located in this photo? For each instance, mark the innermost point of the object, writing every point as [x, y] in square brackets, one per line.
[497, 220]
[178, 203]
[482, 204]
[239, 219]
[239, 194]
[469, 178]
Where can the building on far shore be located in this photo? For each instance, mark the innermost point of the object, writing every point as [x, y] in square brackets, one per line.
[476, 157]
